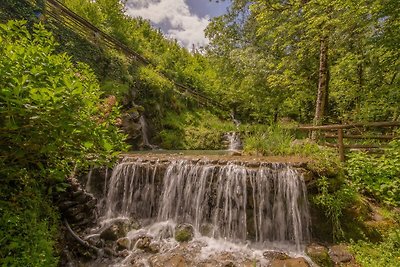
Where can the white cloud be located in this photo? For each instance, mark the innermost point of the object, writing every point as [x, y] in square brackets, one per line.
[184, 26]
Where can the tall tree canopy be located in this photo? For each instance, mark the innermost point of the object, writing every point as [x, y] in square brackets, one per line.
[306, 59]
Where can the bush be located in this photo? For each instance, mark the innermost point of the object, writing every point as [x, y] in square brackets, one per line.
[268, 141]
[28, 229]
[193, 130]
[385, 253]
[275, 140]
[378, 177]
[333, 203]
[52, 115]
[52, 121]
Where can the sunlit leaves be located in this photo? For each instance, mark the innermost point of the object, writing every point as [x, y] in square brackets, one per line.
[50, 107]
[363, 57]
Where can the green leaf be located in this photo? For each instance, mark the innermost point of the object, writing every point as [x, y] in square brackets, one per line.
[88, 144]
[107, 146]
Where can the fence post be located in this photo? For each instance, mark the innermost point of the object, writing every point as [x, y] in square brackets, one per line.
[340, 144]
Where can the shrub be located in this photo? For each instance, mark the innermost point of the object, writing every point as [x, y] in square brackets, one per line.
[269, 141]
[334, 203]
[385, 253]
[378, 177]
[274, 140]
[193, 130]
[52, 121]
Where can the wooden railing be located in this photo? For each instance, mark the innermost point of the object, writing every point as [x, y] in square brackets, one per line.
[340, 134]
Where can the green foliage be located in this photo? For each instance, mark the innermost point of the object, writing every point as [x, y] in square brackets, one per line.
[193, 130]
[378, 177]
[268, 51]
[334, 203]
[29, 226]
[50, 107]
[52, 120]
[19, 9]
[385, 253]
[276, 140]
[269, 141]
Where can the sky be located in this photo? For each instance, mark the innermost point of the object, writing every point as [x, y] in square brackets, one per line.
[184, 20]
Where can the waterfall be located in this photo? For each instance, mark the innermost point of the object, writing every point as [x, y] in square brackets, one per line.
[145, 138]
[89, 179]
[264, 204]
[234, 141]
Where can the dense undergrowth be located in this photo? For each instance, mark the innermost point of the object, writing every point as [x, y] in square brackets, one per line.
[53, 121]
[194, 130]
[384, 253]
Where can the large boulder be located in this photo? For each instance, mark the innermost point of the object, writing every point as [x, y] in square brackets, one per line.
[340, 254]
[118, 229]
[319, 254]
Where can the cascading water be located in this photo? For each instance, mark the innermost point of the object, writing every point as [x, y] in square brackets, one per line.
[234, 141]
[267, 204]
[145, 138]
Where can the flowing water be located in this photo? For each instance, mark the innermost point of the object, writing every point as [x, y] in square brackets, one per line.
[235, 143]
[145, 137]
[231, 205]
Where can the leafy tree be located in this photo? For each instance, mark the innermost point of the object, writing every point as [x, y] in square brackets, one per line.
[293, 37]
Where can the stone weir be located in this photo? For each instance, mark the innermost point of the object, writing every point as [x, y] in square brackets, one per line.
[245, 200]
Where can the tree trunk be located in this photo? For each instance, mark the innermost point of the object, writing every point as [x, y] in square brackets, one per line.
[323, 81]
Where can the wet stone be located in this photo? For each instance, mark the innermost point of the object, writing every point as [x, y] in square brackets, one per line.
[177, 261]
[84, 198]
[275, 255]
[253, 164]
[77, 193]
[184, 232]
[319, 254]
[124, 253]
[119, 229]
[143, 243]
[110, 234]
[123, 243]
[154, 247]
[67, 204]
[91, 204]
[340, 254]
[109, 251]
[73, 211]
[206, 229]
[297, 262]
[78, 217]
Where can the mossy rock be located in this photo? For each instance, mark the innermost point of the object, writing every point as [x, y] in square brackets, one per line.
[319, 254]
[184, 232]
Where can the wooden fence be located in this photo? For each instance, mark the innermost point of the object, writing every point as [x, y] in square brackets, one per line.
[337, 131]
